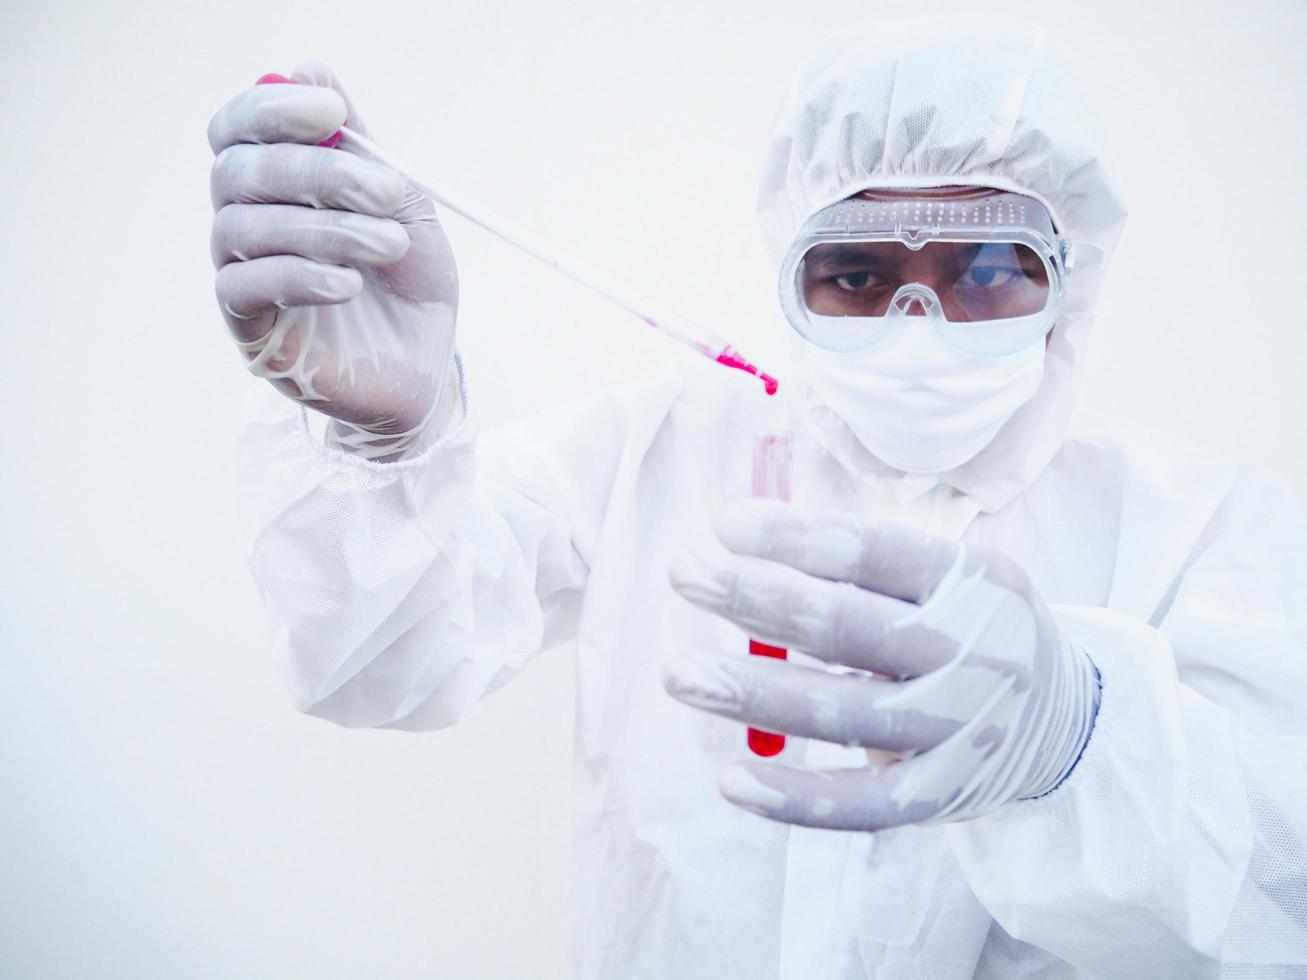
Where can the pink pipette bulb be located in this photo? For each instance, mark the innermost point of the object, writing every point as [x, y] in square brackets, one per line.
[733, 358]
[272, 78]
[723, 353]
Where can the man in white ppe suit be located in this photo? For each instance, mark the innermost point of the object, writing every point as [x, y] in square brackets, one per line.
[1047, 717]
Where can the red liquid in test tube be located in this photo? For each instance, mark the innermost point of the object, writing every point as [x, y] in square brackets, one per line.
[771, 481]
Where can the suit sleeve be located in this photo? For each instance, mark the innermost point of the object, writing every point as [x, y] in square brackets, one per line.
[1178, 845]
[400, 594]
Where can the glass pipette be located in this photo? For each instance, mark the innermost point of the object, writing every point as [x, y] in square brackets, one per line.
[694, 337]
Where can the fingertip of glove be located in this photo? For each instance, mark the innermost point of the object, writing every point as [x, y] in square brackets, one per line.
[743, 525]
[738, 784]
[693, 574]
[681, 674]
[325, 108]
[294, 113]
[396, 241]
[391, 190]
[733, 523]
[338, 283]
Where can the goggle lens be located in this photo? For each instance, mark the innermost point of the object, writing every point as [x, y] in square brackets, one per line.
[975, 281]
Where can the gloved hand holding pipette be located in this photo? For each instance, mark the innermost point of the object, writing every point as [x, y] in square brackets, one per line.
[333, 274]
[336, 278]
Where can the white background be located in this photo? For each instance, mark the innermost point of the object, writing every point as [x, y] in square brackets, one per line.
[163, 811]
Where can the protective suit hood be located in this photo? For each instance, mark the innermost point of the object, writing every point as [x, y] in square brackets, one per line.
[922, 104]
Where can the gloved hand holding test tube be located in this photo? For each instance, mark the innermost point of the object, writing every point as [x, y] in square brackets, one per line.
[700, 340]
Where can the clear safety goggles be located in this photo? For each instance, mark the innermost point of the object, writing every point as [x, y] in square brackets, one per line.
[986, 270]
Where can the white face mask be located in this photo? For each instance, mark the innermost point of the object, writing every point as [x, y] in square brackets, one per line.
[919, 404]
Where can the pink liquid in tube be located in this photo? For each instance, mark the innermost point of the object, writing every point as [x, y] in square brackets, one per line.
[771, 481]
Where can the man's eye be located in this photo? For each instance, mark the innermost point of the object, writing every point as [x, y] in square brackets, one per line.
[857, 282]
[989, 276]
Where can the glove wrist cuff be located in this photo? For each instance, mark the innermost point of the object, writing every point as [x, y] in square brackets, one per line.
[446, 413]
[1078, 698]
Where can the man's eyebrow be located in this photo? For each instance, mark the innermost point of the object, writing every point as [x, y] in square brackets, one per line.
[966, 251]
[842, 255]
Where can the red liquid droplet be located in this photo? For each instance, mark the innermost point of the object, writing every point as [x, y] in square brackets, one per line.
[766, 743]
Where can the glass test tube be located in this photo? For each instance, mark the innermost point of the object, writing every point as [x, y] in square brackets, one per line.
[771, 481]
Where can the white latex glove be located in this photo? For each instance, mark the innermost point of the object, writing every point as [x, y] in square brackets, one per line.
[979, 695]
[334, 276]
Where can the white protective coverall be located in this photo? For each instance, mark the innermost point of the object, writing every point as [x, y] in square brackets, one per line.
[402, 593]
